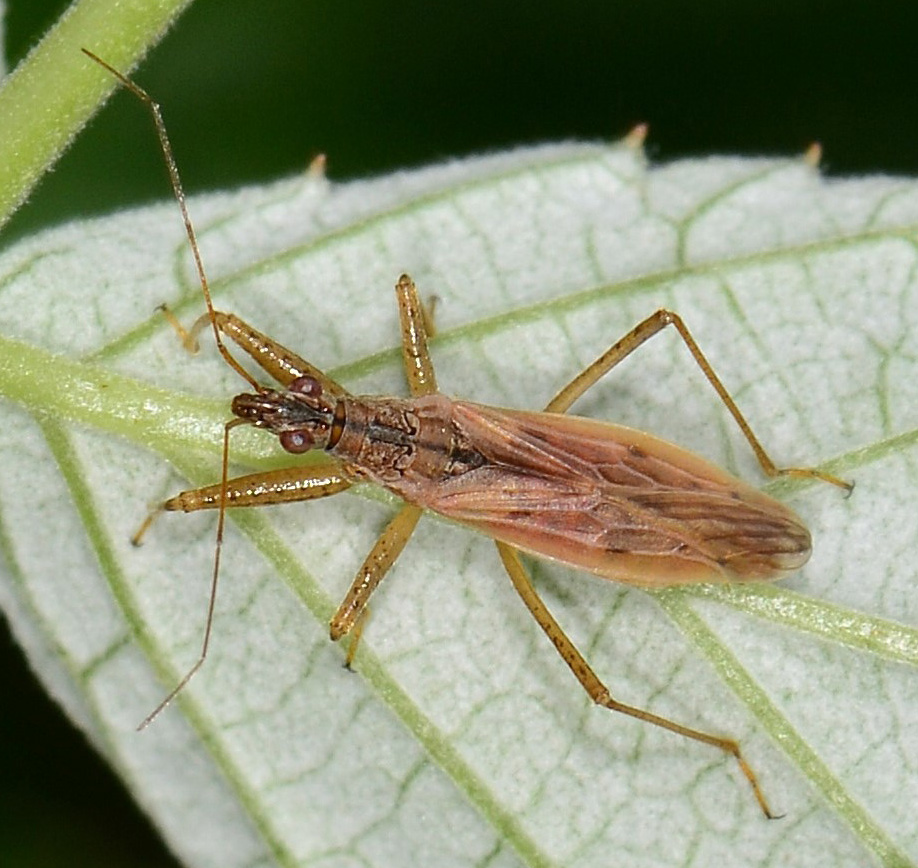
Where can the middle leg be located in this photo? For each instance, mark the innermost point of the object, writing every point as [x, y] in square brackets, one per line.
[416, 324]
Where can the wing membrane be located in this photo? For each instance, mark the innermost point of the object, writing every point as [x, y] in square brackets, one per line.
[615, 501]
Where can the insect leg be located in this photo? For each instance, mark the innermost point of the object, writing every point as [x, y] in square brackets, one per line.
[257, 489]
[285, 485]
[596, 690]
[272, 357]
[352, 612]
[642, 332]
[416, 323]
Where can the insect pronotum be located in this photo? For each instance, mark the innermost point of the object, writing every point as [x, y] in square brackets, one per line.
[600, 497]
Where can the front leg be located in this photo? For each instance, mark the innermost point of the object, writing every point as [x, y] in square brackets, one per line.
[286, 485]
[278, 362]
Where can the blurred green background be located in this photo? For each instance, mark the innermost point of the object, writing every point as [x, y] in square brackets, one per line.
[253, 89]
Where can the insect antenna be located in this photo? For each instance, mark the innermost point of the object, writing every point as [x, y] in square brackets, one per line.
[179, 192]
[188, 338]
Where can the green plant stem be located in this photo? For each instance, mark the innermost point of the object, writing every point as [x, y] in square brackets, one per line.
[48, 98]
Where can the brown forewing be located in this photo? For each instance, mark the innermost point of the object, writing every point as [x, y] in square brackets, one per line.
[614, 501]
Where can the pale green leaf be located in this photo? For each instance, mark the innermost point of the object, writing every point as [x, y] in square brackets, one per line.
[462, 739]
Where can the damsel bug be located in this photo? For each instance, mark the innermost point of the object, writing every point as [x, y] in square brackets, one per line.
[600, 497]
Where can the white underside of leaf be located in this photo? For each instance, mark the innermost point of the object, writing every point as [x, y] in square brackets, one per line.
[463, 740]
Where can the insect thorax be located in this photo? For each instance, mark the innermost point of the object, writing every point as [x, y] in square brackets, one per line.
[404, 443]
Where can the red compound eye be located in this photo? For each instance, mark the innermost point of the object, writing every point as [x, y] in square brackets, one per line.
[297, 442]
[306, 386]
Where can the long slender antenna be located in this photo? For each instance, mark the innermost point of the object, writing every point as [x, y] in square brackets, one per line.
[215, 576]
[179, 192]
